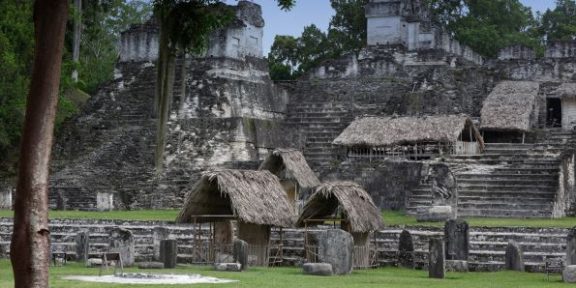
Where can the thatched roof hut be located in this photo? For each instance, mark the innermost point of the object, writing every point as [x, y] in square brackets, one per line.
[292, 165]
[254, 197]
[386, 131]
[566, 91]
[347, 197]
[510, 106]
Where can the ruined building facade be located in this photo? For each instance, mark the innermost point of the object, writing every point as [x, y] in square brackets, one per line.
[226, 112]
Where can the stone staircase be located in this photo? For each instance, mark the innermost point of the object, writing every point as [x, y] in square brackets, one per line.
[320, 124]
[507, 180]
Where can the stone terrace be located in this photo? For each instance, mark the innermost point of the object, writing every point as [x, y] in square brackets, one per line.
[487, 245]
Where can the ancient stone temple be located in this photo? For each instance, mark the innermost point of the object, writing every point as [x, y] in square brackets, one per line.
[508, 155]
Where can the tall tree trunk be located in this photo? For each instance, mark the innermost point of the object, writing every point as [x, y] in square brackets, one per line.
[77, 38]
[30, 247]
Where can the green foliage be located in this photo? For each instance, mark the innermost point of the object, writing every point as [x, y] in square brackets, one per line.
[560, 23]
[290, 57]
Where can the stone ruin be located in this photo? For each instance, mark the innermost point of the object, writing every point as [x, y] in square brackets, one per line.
[227, 113]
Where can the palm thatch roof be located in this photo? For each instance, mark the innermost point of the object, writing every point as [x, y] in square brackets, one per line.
[385, 131]
[254, 197]
[567, 91]
[294, 166]
[510, 106]
[351, 199]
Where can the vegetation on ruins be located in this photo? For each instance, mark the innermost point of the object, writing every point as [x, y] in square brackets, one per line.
[185, 26]
[102, 22]
[485, 25]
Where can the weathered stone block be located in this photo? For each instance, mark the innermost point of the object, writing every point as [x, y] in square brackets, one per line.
[151, 265]
[514, 258]
[435, 214]
[5, 198]
[82, 246]
[406, 250]
[122, 241]
[571, 247]
[159, 234]
[94, 262]
[436, 265]
[320, 269]
[457, 239]
[168, 253]
[241, 253]
[336, 247]
[569, 274]
[104, 201]
[233, 267]
[456, 265]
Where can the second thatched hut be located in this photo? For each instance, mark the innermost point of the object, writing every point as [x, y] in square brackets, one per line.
[295, 175]
[254, 199]
[349, 204]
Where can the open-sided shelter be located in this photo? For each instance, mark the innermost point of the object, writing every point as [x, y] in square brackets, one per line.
[295, 175]
[411, 137]
[347, 203]
[254, 199]
[510, 111]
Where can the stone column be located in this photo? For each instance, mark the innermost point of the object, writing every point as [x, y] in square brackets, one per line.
[122, 241]
[241, 253]
[168, 253]
[336, 247]
[82, 246]
[436, 265]
[514, 258]
[457, 237]
[406, 250]
[6, 197]
[571, 247]
[159, 234]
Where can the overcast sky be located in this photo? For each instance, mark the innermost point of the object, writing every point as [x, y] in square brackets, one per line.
[319, 12]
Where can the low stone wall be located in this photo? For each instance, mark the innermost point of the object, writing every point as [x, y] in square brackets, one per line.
[487, 245]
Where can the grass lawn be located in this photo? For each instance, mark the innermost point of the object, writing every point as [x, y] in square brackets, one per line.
[292, 277]
[391, 218]
[143, 215]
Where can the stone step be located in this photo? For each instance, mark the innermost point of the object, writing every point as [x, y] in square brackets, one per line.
[504, 213]
[506, 176]
[506, 187]
[526, 246]
[511, 181]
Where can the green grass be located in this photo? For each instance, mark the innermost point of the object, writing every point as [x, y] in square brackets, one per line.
[143, 215]
[391, 218]
[397, 218]
[292, 277]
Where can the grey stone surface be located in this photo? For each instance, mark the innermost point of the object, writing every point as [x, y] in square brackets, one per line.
[104, 201]
[168, 253]
[336, 247]
[406, 250]
[5, 196]
[122, 241]
[571, 247]
[456, 265]
[159, 233]
[241, 253]
[321, 269]
[233, 267]
[150, 265]
[457, 239]
[436, 263]
[569, 274]
[82, 240]
[435, 214]
[93, 262]
[514, 257]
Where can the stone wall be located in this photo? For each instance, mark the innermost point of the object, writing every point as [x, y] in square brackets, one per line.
[561, 49]
[486, 253]
[140, 43]
[516, 52]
